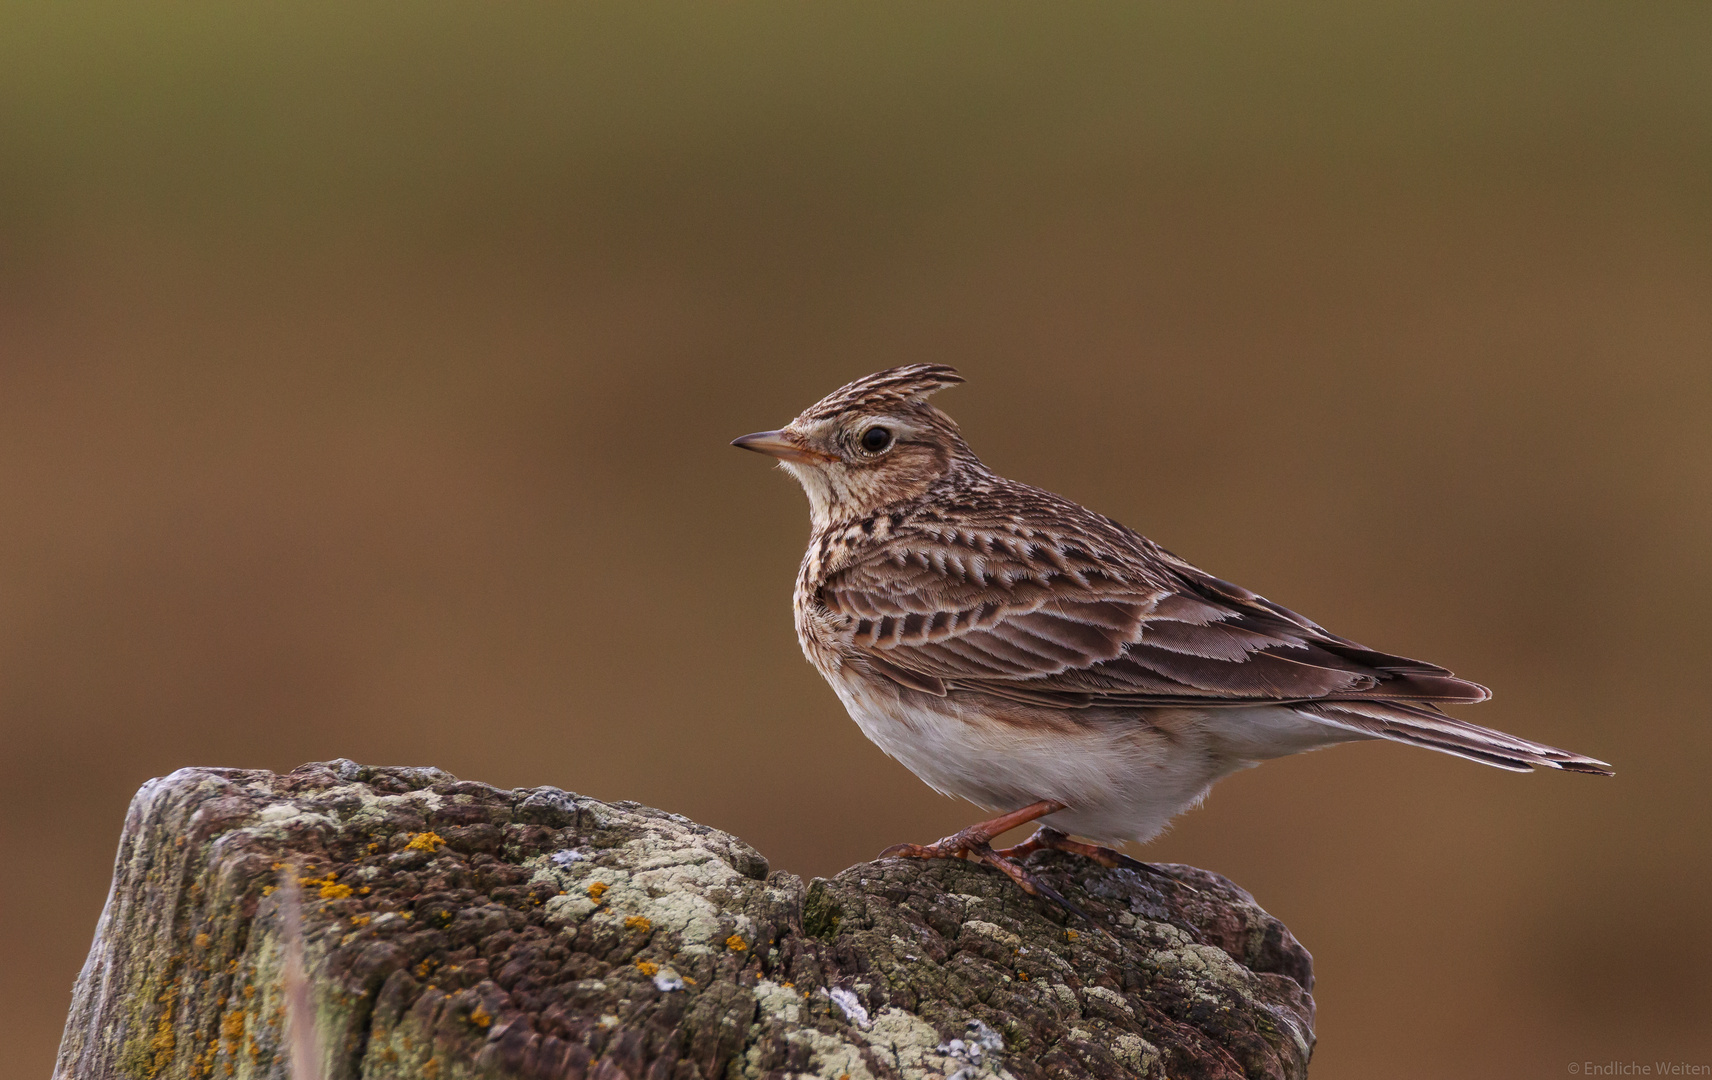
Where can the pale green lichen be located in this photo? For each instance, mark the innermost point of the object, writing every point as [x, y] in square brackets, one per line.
[1136, 1053]
[914, 1048]
[1109, 998]
[995, 932]
[1204, 966]
[778, 1002]
[830, 1055]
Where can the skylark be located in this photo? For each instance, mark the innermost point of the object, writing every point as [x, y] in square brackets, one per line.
[1039, 659]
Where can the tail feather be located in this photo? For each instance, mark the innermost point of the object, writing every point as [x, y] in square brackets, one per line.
[1423, 725]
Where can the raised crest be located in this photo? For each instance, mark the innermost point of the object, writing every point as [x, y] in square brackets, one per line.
[912, 382]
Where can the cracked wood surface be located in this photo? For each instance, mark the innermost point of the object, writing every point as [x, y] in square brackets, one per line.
[454, 930]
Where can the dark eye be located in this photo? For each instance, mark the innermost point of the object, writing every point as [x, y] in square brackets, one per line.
[876, 439]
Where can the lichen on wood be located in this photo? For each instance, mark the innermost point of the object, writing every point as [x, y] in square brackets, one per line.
[455, 930]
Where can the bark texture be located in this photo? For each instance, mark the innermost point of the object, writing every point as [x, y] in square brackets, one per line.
[456, 930]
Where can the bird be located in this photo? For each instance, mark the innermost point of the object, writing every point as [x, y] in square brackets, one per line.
[1047, 664]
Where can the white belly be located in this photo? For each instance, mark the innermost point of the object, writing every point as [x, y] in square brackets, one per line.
[1123, 776]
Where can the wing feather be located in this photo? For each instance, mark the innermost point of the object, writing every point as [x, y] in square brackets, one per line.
[1093, 614]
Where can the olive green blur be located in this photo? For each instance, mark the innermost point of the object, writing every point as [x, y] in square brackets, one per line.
[367, 373]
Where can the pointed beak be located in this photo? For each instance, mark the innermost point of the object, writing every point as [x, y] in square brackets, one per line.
[777, 444]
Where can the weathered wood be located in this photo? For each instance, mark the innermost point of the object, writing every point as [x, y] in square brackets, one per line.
[456, 930]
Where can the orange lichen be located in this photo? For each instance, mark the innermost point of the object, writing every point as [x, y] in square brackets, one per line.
[267, 890]
[425, 841]
[637, 922]
[165, 1042]
[735, 943]
[328, 886]
[373, 848]
[598, 890]
[232, 1033]
[203, 1064]
[361, 920]
[648, 967]
[1022, 975]
[480, 1017]
[1071, 935]
[425, 967]
[201, 941]
[364, 891]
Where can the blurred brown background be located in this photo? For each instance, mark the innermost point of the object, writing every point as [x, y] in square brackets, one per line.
[366, 373]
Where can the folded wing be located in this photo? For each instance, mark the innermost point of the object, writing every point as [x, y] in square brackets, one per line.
[1055, 620]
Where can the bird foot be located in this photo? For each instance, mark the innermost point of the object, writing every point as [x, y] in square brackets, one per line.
[975, 844]
[964, 844]
[1047, 838]
[958, 846]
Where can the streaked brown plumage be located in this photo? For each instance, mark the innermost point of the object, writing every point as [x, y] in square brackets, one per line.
[1015, 648]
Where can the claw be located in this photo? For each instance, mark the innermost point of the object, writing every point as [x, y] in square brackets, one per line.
[1033, 885]
[1047, 838]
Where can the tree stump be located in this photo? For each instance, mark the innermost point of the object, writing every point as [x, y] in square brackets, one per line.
[455, 930]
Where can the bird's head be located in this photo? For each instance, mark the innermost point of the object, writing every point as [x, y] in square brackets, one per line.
[870, 444]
